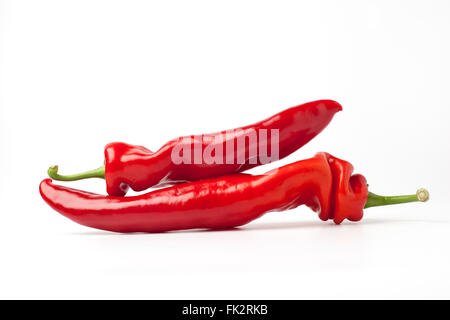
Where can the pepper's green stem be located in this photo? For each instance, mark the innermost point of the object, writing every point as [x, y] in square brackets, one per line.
[95, 173]
[374, 200]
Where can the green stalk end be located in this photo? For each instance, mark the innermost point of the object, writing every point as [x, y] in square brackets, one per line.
[95, 173]
[374, 200]
[423, 195]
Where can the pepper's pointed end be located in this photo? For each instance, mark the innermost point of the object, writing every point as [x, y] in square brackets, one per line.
[333, 105]
[423, 195]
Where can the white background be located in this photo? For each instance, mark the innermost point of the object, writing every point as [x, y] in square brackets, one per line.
[79, 74]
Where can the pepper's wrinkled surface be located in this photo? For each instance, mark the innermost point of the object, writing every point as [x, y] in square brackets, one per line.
[349, 193]
[323, 183]
[139, 168]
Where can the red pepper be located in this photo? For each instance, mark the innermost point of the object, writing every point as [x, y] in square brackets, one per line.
[139, 168]
[323, 183]
[349, 191]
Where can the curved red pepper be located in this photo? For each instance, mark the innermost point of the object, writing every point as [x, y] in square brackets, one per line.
[139, 168]
[323, 183]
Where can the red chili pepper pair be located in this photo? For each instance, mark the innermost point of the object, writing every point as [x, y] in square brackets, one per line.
[324, 183]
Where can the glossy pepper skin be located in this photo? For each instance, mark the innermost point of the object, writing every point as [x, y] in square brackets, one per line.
[139, 168]
[323, 183]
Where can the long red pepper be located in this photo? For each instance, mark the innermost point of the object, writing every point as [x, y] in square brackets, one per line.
[323, 183]
[139, 168]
